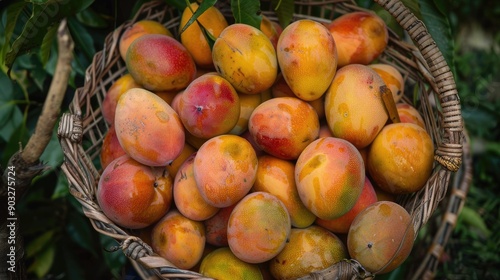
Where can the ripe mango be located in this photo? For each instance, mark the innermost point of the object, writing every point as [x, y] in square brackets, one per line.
[360, 37]
[148, 129]
[307, 56]
[245, 56]
[160, 63]
[354, 107]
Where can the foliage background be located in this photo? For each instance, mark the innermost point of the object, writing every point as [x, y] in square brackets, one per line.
[60, 242]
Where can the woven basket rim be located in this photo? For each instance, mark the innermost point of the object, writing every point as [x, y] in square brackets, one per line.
[427, 59]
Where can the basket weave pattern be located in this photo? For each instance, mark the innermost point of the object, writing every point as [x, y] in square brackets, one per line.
[419, 60]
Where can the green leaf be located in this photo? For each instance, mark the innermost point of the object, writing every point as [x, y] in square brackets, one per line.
[7, 108]
[470, 217]
[439, 28]
[284, 11]
[43, 261]
[39, 244]
[399, 273]
[45, 14]
[413, 6]
[180, 5]
[493, 147]
[47, 214]
[53, 154]
[78, 65]
[367, 4]
[62, 188]
[11, 118]
[47, 41]
[205, 5]
[50, 66]
[138, 4]
[12, 14]
[80, 231]
[115, 260]
[73, 265]
[83, 39]
[389, 20]
[247, 12]
[443, 6]
[91, 18]
[38, 74]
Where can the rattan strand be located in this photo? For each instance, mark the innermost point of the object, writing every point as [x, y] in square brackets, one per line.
[422, 65]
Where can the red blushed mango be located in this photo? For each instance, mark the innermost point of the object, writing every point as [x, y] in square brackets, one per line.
[187, 197]
[245, 56]
[342, 223]
[216, 227]
[160, 63]
[111, 148]
[307, 56]
[258, 227]
[284, 126]
[225, 167]
[179, 240]
[381, 237]
[392, 79]
[281, 89]
[330, 175]
[308, 250]
[408, 114]
[119, 87]
[138, 29]
[360, 37]
[148, 129]
[276, 176]
[209, 106]
[132, 194]
[353, 105]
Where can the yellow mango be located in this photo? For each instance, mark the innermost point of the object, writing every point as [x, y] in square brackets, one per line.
[307, 56]
[245, 56]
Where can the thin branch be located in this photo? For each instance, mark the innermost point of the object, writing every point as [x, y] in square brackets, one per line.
[51, 109]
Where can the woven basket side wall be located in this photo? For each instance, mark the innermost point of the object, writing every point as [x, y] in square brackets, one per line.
[445, 219]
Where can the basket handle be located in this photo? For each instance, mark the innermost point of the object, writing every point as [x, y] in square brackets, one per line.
[449, 152]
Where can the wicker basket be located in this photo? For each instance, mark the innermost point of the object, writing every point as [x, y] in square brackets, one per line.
[425, 72]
